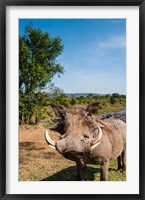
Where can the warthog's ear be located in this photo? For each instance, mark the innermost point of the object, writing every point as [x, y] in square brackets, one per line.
[93, 108]
[101, 125]
[59, 110]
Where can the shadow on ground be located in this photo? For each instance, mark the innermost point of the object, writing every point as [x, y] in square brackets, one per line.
[27, 153]
[70, 174]
[29, 146]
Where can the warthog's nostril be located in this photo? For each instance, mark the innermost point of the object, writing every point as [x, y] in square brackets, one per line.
[73, 153]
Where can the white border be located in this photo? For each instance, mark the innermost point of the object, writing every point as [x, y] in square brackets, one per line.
[131, 186]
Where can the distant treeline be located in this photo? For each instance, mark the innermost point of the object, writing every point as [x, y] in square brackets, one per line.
[81, 94]
[63, 99]
[37, 107]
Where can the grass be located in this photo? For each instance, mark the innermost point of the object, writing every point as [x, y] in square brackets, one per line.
[107, 107]
[38, 162]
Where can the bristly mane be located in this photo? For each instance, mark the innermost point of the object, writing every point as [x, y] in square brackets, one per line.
[78, 109]
[104, 124]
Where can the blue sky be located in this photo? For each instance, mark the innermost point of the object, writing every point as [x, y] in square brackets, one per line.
[94, 55]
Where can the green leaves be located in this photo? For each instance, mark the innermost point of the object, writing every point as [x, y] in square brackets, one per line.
[37, 59]
[37, 66]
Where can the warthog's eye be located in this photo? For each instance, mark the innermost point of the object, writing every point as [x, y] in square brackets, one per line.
[86, 136]
[89, 114]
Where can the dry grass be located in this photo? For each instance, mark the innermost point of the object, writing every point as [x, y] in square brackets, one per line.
[37, 161]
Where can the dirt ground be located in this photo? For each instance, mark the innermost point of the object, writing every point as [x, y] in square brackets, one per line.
[39, 162]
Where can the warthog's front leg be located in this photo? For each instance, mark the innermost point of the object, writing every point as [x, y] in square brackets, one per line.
[81, 171]
[104, 170]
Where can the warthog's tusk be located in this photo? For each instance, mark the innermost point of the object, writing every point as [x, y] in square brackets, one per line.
[52, 146]
[50, 142]
[97, 141]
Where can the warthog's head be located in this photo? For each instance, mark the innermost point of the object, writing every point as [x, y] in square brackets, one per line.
[82, 131]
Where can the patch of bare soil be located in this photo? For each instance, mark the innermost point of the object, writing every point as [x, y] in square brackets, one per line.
[37, 161]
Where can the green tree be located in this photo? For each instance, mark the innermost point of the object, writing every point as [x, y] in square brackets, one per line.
[37, 59]
[73, 101]
[90, 95]
[116, 95]
[114, 98]
[37, 66]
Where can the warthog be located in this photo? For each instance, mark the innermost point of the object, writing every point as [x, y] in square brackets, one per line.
[89, 140]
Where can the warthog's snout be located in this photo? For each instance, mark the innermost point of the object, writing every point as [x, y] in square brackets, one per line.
[73, 153]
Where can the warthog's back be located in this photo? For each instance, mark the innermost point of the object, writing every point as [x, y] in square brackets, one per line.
[117, 126]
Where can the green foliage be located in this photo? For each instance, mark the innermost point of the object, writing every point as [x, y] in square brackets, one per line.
[32, 107]
[37, 59]
[105, 101]
[114, 97]
[37, 66]
[73, 101]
